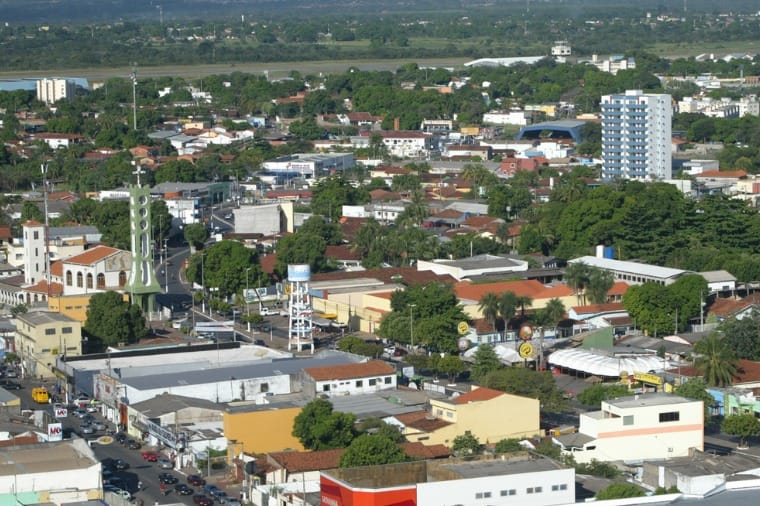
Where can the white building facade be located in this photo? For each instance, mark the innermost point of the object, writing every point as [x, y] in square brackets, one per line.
[52, 90]
[636, 136]
[643, 427]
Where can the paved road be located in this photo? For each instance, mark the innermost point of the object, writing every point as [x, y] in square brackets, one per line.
[107, 450]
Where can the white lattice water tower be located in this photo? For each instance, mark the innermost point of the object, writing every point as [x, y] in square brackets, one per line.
[300, 326]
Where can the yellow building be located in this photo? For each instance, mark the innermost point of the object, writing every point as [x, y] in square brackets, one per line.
[41, 337]
[262, 428]
[73, 306]
[489, 415]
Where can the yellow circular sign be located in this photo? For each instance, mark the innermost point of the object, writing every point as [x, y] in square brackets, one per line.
[105, 440]
[463, 328]
[526, 350]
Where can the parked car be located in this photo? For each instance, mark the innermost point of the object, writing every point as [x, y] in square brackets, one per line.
[92, 408]
[10, 385]
[221, 496]
[150, 455]
[183, 489]
[202, 500]
[233, 502]
[121, 438]
[195, 480]
[133, 445]
[165, 463]
[167, 478]
[265, 311]
[210, 489]
[120, 465]
[11, 373]
[86, 428]
[79, 413]
[98, 425]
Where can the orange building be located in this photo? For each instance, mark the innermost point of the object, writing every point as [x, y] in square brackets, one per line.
[262, 428]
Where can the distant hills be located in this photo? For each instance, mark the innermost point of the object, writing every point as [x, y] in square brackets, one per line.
[86, 11]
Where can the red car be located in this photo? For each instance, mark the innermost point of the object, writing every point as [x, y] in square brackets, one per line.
[150, 455]
[195, 480]
[202, 500]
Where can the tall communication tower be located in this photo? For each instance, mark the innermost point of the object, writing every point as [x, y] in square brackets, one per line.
[300, 325]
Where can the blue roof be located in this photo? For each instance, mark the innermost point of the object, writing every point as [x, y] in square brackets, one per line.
[568, 127]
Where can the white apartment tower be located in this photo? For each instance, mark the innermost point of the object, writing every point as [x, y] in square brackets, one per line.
[636, 136]
[52, 90]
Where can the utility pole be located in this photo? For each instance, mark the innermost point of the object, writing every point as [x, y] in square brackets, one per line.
[247, 306]
[133, 75]
[411, 325]
[43, 167]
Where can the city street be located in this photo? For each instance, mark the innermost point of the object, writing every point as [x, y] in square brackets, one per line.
[108, 450]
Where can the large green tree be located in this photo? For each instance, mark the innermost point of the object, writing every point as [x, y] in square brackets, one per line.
[112, 320]
[196, 234]
[594, 395]
[745, 426]
[696, 389]
[430, 313]
[372, 450]
[485, 362]
[318, 427]
[223, 266]
[743, 335]
[528, 383]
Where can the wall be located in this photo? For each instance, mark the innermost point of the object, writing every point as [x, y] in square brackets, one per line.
[506, 416]
[35, 488]
[263, 431]
[73, 306]
[464, 491]
[353, 387]
[336, 494]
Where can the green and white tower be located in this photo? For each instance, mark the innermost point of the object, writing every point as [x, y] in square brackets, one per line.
[142, 284]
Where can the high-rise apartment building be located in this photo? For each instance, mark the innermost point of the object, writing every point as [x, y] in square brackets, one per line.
[636, 136]
[51, 91]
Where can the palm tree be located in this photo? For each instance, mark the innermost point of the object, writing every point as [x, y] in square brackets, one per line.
[716, 361]
[599, 283]
[522, 301]
[577, 277]
[489, 307]
[555, 311]
[508, 304]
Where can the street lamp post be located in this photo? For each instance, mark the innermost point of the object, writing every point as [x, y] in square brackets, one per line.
[203, 284]
[411, 325]
[166, 265]
[247, 306]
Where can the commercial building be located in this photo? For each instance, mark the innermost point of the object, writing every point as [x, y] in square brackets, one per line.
[633, 273]
[41, 337]
[642, 427]
[636, 136]
[49, 473]
[489, 415]
[51, 91]
[310, 165]
[349, 379]
[515, 479]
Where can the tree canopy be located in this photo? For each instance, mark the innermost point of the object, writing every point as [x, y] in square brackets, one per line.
[112, 320]
[370, 450]
[528, 383]
[318, 427]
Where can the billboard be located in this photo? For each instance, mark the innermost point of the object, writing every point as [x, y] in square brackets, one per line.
[55, 432]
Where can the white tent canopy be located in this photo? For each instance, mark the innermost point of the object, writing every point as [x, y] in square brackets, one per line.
[505, 352]
[602, 365]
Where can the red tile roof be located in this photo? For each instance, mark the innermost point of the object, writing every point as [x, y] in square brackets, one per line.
[92, 256]
[619, 288]
[478, 395]
[480, 221]
[473, 291]
[341, 252]
[406, 275]
[56, 269]
[297, 462]
[42, 287]
[748, 372]
[267, 263]
[726, 308]
[5, 233]
[351, 371]
[738, 174]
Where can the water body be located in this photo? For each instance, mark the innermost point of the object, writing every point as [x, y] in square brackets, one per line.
[30, 84]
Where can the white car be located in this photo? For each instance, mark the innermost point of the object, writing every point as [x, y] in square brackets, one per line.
[265, 311]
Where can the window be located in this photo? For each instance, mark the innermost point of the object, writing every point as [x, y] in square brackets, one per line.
[325, 388]
[359, 383]
[628, 420]
[563, 486]
[449, 414]
[482, 495]
[388, 380]
[66, 330]
[49, 332]
[670, 416]
[372, 382]
[264, 387]
[538, 490]
[101, 282]
[36, 234]
[68, 278]
[529, 490]
[80, 280]
[511, 491]
[89, 280]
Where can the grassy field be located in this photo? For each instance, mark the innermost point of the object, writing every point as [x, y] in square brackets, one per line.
[685, 50]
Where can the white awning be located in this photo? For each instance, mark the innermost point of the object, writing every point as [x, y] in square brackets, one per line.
[602, 365]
